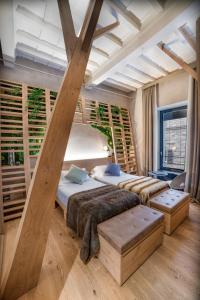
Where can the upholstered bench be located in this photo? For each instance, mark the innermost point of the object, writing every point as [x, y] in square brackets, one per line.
[175, 206]
[128, 239]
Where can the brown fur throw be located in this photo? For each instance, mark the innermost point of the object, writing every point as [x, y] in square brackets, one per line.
[87, 209]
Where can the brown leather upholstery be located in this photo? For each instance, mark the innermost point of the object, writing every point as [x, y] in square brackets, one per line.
[169, 200]
[125, 230]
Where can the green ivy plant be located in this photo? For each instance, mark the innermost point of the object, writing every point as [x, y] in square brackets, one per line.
[16, 91]
[105, 130]
[54, 94]
[115, 110]
[34, 99]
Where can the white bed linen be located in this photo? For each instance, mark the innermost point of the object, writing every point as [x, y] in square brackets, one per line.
[115, 180]
[67, 188]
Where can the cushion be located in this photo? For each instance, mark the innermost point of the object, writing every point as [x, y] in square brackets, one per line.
[130, 227]
[99, 170]
[113, 170]
[76, 175]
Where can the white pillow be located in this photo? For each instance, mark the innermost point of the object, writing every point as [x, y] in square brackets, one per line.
[99, 170]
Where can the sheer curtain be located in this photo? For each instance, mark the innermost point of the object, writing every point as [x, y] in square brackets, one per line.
[149, 101]
[193, 144]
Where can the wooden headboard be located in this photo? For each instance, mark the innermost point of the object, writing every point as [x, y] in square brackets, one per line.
[89, 164]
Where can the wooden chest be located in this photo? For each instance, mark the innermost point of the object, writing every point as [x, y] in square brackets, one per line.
[128, 239]
[175, 206]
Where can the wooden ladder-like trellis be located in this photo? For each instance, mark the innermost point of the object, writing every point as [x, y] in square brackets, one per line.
[22, 135]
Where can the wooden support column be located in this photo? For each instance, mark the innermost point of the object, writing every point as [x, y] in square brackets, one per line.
[25, 266]
[177, 59]
[67, 27]
[27, 169]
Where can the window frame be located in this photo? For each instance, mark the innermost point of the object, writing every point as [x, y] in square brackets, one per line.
[161, 113]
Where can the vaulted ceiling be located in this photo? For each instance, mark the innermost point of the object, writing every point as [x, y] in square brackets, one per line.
[127, 56]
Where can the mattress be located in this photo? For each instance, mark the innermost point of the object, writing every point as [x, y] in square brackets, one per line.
[107, 179]
[67, 188]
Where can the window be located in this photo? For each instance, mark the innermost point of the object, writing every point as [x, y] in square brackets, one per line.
[173, 130]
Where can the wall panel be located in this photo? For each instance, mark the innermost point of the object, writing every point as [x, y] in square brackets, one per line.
[24, 121]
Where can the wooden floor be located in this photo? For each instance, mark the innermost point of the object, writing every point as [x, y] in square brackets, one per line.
[171, 273]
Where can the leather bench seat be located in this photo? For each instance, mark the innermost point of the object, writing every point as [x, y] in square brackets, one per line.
[125, 230]
[128, 239]
[174, 204]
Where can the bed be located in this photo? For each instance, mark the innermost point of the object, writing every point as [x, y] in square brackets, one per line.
[88, 204]
[66, 188]
[144, 186]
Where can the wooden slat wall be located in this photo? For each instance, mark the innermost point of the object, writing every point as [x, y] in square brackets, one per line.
[12, 141]
[17, 119]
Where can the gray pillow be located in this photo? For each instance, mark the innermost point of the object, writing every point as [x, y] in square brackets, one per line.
[76, 175]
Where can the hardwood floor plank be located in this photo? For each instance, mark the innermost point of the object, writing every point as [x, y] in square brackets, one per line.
[172, 272]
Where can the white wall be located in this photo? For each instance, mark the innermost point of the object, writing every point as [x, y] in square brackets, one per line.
[173, 89]
[85, 142]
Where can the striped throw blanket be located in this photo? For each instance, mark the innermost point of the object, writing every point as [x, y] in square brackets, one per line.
[145, 187]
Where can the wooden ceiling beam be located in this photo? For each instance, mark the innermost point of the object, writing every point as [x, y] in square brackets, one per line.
[177, 59]
[164, 23]
[100, 52]
[130, 78]
[120, 8]
[93, 63]
[69, 34]
[188, 36]
[154, 64]
[115, 39]
[101, 31]
[120, 83]
[25, 265]
[140, 72]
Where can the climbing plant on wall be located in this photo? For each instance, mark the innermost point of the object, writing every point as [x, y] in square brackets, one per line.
[104, 128]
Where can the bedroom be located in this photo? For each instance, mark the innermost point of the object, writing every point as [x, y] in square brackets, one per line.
[100, 162]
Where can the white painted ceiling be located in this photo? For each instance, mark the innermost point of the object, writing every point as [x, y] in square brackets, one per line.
[127, 57]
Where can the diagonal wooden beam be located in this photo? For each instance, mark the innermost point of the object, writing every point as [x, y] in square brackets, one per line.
[189, 37]
[24, 269]
[177, 59]
[119, 7]
[88, 30]
[101, 31]
[69, 34]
